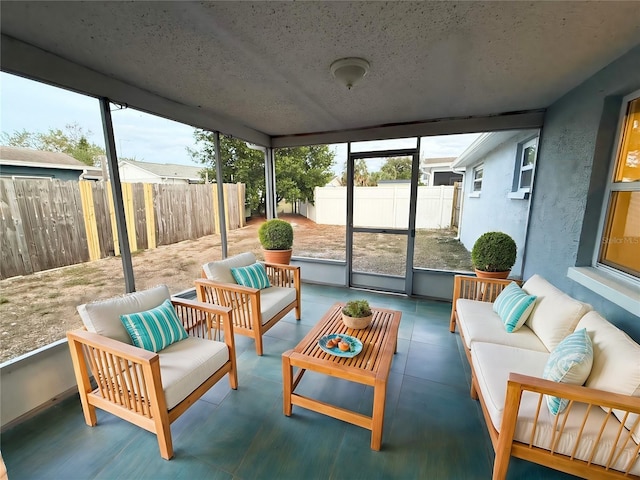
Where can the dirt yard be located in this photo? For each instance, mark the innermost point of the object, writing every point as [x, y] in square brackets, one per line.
[38, 309]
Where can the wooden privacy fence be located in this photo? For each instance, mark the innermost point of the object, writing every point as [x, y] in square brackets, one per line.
[46, 224]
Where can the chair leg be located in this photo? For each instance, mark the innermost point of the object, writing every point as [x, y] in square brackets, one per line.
[259, 344]
[89, 411]
[298, 312]
[163, 431]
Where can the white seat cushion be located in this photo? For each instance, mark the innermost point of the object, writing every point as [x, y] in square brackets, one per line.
[555, 314]
[220, 271]
[616, 362]
[492, 365]
[185, 365]
[273, 300]
[479, 323]
[103, 317]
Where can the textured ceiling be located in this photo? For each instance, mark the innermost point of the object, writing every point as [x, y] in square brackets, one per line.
[265, 65]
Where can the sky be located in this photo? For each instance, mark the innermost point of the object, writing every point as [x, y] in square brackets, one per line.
[37, 107]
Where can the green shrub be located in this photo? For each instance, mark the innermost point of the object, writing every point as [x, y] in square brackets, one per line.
[276, 234]
[494, 252]
[357, 309]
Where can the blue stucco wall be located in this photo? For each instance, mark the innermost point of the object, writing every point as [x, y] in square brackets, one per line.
[574, 155]
[493, 210]
[57, 173]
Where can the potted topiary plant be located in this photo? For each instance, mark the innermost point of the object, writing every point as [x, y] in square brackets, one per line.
[276, 238]
[357, 314]
[493, 255]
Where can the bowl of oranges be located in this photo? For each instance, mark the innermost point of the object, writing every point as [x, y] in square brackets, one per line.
[340, 345]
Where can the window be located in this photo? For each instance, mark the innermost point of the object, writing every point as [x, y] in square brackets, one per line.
[477, 178]
[620, 240]
[526, 161]
[523, 172]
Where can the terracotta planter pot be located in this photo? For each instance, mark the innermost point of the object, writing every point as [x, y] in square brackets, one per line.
[357, 323]
[282, 257]
[483, 274]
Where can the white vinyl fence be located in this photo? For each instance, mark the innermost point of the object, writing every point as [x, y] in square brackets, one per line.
[382, 206]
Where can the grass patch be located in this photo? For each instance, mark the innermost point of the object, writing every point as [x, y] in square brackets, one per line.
[3, 300]
[74, 282]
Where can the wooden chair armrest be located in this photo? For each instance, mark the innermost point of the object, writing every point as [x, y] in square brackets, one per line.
[283, 275]
[231, 287]
[281, 266]
[128, 352]
[200, 318]
[126, 376]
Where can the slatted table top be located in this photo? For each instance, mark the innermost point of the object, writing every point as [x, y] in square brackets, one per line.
[378, 346]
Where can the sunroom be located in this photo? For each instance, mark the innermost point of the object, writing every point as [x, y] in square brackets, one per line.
[563, 74]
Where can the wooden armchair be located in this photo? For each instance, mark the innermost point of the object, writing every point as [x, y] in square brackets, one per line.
[254, 311]
[149, 389]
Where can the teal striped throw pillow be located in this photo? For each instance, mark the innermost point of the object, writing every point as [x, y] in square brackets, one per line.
[154, 329]
[254, 276]
[570, 362]
[513, 306]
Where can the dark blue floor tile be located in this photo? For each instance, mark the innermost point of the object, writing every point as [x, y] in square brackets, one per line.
[432, 428]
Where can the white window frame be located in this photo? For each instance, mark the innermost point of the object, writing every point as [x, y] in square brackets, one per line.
[525, 168]
[475, 180]
[519, 192]
[615, 285]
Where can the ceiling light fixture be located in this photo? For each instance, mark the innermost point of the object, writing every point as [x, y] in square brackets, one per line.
[349, 71]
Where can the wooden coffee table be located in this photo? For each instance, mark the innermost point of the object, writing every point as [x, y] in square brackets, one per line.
[370, 367]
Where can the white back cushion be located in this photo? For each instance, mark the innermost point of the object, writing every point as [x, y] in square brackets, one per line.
[103, 317]
[555, 314]
[220, 271]
[616, 362]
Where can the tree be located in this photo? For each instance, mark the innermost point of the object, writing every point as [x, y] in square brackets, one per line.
[72, 141]
[361, 175]
[239, 164]
[396, 168]
[298, 170]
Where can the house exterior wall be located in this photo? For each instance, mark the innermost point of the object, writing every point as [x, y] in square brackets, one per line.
[573, 164]
[21, 171]
[132, 174]
[493, 210]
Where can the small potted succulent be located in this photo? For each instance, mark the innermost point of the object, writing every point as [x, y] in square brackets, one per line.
[493, 255]
[276, 238]
[357, 314]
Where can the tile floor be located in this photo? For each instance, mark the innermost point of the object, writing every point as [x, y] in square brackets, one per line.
[433, 430]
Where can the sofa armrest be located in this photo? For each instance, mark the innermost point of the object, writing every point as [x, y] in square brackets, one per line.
[517, 384]
[474, 288]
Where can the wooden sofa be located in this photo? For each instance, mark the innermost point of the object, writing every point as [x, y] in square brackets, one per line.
[598, 435]
[254, 311]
